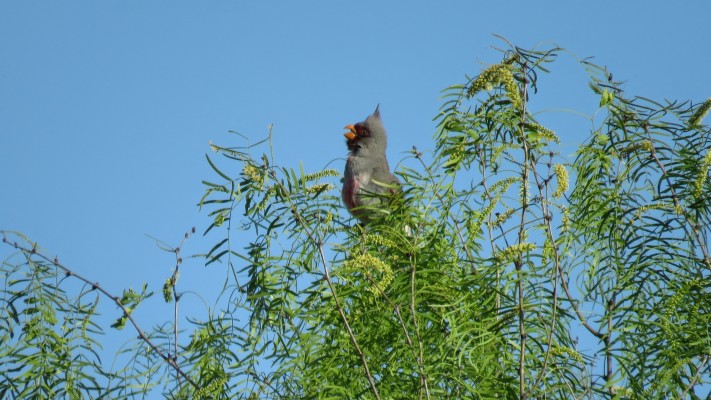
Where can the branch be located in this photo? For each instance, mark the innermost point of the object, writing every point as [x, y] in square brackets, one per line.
[521, 238]
[173, 283]
[695, 379]
[117, 300]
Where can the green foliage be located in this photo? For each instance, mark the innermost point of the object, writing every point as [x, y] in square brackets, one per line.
[480, 282]
[130, 299]
[48, 337]
[641, 211]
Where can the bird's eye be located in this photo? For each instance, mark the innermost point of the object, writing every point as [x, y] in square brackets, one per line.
[365, 132]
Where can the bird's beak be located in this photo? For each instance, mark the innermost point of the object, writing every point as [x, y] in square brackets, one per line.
[351, 134]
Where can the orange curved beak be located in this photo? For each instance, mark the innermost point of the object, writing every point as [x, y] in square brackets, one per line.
[351, 134]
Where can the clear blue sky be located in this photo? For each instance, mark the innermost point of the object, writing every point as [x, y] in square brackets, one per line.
[107, 107]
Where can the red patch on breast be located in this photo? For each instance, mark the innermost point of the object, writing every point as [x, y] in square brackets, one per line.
[350, 188]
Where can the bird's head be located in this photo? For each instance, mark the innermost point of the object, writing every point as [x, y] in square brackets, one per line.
[367, 136]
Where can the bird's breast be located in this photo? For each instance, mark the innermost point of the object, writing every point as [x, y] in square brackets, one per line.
[355, 178]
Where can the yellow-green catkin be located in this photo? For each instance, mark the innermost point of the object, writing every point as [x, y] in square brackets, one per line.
[645, 145]
[565, 220]
[319, 187]
[496, 75]
[211, 390]
[168, 289]
[548, 250]
[514, 251]
[695, 119]
[542, 134]
[254, 174]
[566, 351]
[379, 240]
[314, 176]
[563, 180]
[703, 175]
[501, 218]
[375, 268]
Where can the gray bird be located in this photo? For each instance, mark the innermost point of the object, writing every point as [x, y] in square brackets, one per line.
[367, 178]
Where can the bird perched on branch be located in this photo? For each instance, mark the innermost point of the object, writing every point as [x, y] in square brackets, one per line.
[367, 177]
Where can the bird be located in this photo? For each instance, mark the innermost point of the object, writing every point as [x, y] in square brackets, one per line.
[367, 179]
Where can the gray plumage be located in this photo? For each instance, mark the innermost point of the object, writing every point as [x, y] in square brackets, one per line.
[367, 176]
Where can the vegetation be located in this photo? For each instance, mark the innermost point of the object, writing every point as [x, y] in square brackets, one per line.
[516, 257]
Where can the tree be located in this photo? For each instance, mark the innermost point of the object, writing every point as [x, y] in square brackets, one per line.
[516, 256]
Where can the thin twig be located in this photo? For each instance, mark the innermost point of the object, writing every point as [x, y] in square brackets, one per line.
[611, 305]
[580, 315]
[176, 295]
[696, 377]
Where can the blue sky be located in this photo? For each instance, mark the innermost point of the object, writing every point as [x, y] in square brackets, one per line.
[108, 107]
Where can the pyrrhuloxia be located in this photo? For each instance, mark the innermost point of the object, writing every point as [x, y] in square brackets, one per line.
[367, 177]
